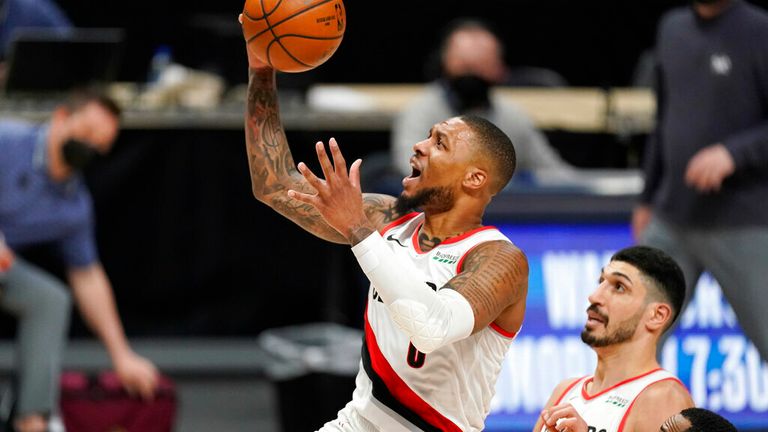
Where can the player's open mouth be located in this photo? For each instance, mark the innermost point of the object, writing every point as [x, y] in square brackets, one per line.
[594, 318]
[415, 170]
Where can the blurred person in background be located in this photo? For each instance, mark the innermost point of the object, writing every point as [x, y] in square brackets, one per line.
[44, 200]
[471, 59]
[705, 170]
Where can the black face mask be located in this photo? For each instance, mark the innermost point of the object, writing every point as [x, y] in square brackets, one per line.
[77, 154]
[470, 92]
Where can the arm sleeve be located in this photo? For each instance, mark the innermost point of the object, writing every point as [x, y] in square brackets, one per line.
[430, 319]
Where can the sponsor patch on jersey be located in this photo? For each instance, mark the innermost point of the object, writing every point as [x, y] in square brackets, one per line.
[445, 258]
[617, 401]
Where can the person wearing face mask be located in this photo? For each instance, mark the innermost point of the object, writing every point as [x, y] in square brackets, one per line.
[472, 62]
[705, 166]
[44, 200]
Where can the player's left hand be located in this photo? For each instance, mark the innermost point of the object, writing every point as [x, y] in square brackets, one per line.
[137, 374]
[563, 418]
[709, 167]
[338, 198]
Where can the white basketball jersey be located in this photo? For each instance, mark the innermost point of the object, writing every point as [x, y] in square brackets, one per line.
[449, 389]
[608, 410]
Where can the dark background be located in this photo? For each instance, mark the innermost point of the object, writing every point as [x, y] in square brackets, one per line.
[591, 43]
[188, 249]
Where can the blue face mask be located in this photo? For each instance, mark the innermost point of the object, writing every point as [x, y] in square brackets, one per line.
[78, 154]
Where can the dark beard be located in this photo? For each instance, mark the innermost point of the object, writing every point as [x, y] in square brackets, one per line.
[438, 199]
[622, 334]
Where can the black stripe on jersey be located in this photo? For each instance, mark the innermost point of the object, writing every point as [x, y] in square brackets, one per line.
[383, 395]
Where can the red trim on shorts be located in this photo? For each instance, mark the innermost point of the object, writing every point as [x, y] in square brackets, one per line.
[567, 389]
[399, 389]
[449, 240]
[588, 397]
[626, 414]
[398, 221]
[503, 332]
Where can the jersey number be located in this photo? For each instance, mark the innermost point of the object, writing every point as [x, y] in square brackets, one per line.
[415, 358]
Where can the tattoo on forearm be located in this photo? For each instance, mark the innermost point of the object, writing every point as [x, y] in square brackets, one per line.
[271, 164]
[380, 209]
[269, 155]
[492, 278]
[359, 234]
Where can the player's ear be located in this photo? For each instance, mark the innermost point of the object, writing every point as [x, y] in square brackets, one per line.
[475, 178]
[659, 315]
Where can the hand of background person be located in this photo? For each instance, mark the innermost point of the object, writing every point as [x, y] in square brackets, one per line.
[137, 374]
[709, 167]
[641, 216]
[563, 418]
[338, 198]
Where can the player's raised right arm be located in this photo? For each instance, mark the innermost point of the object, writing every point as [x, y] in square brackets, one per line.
[273, 171]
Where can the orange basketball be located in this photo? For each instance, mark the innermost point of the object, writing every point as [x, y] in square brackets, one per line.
[294, 35]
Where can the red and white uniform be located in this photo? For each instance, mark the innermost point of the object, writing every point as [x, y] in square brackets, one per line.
[608, 410]
[449, 389]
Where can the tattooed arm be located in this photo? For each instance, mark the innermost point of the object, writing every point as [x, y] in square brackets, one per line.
[494, 280]
[272, 168]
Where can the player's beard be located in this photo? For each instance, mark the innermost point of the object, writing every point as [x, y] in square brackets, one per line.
[623, 332]
[436, 199]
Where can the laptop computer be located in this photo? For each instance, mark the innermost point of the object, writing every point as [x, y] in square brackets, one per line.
[51, 61]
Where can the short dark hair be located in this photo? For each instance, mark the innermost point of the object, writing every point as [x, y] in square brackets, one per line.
[703, 420]
[497, 146]
[79, 98]
[663, 271]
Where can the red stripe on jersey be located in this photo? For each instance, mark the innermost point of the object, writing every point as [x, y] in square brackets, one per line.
[503, 332]
[626, 414]
[586, 396]
[460, 265]
[466, 234]
[400, 220]
[567, 389]
[449, 240]
[399, 389]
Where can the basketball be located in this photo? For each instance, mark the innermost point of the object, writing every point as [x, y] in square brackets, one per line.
[294, 35]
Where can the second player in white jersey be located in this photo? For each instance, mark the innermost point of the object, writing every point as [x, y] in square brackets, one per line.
[608, 410]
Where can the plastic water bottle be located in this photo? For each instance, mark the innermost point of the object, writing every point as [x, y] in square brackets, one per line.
[160, 61]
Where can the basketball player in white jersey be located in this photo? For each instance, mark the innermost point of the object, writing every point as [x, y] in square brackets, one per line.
[447, 294]
[638, 297]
